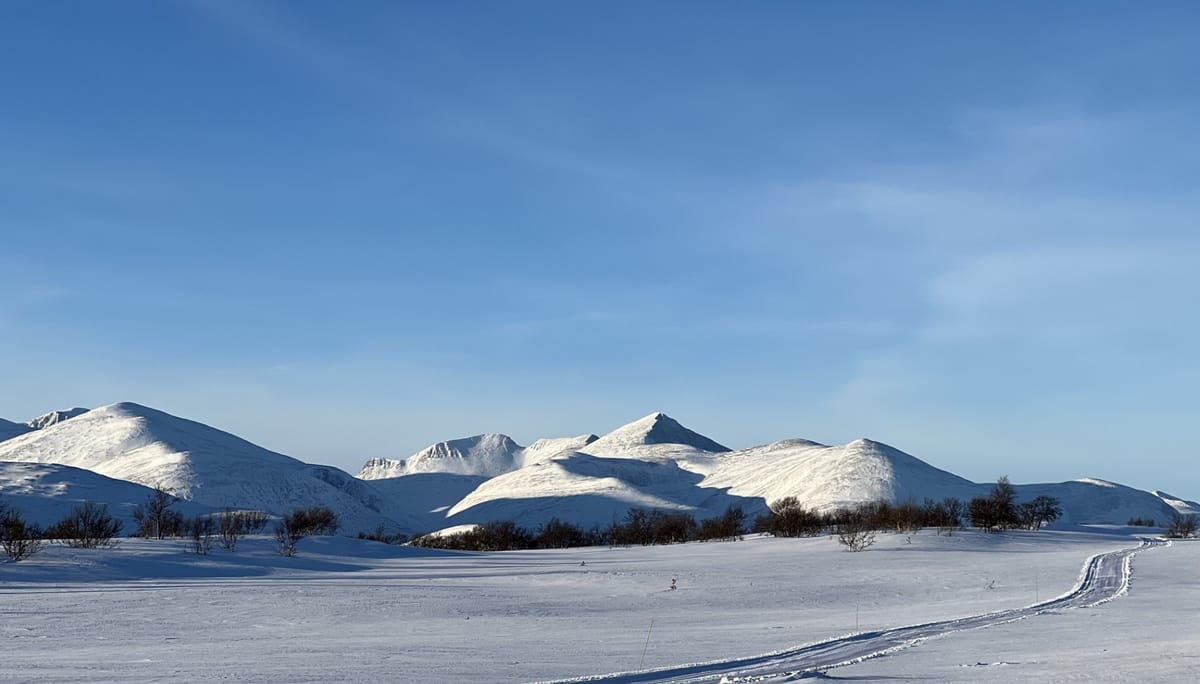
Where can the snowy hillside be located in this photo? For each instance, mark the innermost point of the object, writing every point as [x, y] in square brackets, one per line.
[196, 462]
[1091, 500]
[832, 477]
[653, 462]
[45, 492]
[589, 490]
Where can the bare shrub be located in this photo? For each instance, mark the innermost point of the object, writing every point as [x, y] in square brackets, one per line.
[201, 530]
[19, 538]
[233, 525]
[155, 519]
[87, 526]
[855, 532]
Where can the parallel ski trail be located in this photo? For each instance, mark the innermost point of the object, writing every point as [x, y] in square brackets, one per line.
[1104, 577]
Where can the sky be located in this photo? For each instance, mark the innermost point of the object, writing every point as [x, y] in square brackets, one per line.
[345, 231]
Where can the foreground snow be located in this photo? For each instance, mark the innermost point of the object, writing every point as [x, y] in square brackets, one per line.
[345, 609]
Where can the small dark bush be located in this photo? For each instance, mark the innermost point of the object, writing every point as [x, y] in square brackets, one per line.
[1182, 526]
[18, 538]
[87, 526]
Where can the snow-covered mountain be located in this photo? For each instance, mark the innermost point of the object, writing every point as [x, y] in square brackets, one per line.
[637, 465]
[831, 477]
[199, 463]
[487, 455]
[653, 462]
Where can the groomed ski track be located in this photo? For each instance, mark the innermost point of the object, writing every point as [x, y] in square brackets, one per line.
[1104, 577]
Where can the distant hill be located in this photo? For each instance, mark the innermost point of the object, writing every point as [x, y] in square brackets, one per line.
[652, 462]
[196, 462]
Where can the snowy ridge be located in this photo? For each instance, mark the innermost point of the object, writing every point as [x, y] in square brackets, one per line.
[55, 417]
[1180, 506]
[487, 455]
[196, 462]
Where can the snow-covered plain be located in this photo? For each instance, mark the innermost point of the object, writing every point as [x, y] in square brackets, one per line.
[352, 610]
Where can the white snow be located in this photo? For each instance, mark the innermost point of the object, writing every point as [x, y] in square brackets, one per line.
[653, 462]
[656, 428]
[347, 610]
[196, 462]
[45, 492]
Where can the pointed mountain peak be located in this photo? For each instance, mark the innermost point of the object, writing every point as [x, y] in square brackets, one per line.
[656, 428]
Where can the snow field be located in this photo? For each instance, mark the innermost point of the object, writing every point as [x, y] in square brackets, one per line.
[1148, 635]
[351, 610]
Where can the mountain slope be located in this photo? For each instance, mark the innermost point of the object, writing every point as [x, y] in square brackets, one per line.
[9, 429]
[1091, 500]
[1180, 506]
[831, 477]
[196, 462]
[591, 490]
[45, 492]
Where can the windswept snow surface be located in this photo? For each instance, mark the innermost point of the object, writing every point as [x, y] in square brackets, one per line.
[358, 611]
[45, 492]
[199, 463]
[1148, 636]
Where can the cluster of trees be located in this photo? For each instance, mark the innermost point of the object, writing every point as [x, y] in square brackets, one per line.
[787, 517]
[157, 519]
[303, 522]
[1140, 522]
[855, 527]
[1182, 526]
[640, 526]
[1000, 511]
[87, 526]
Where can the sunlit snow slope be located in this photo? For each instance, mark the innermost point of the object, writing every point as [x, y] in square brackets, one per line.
[196, 462]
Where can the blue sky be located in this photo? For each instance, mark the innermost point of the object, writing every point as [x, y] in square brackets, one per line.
[965, 229]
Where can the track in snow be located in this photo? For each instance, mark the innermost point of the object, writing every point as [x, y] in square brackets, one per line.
[1104, 577]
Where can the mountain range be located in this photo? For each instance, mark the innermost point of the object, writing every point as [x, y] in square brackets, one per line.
[115, 453]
